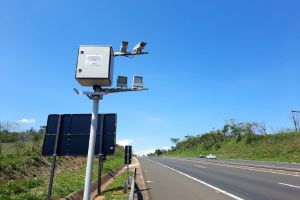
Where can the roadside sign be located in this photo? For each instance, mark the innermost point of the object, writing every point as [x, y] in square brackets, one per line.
[128, 154]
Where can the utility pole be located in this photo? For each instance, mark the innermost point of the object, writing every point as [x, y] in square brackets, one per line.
[294, 119]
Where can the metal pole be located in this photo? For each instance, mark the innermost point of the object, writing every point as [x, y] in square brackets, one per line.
[51, 177]
[295, 123]
[52, 169]
[127, 178]
[134, 173]
[90, 157]
[100, 167]
[99, 174]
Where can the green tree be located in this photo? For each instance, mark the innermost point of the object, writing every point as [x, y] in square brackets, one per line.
[175, 140]
[158, 152]
[5, 132]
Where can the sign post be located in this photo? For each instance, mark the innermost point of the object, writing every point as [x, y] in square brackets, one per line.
[54, 160]
[100, 164]
[127, 157]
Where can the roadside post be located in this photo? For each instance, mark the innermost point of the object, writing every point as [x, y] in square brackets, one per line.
[95, 66]
[127, 159]
[100, 164]
[296, 123]
[53, 165]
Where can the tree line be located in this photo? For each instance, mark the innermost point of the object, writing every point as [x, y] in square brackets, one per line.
[249, 131]
[9, 135]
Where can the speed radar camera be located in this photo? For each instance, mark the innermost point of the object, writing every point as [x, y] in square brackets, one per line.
[95, 65]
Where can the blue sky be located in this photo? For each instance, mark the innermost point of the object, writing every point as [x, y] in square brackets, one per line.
[209, 61]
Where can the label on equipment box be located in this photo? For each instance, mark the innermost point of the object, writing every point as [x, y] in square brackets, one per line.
[91, 60]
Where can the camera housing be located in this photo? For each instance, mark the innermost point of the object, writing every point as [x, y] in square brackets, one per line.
[95, 65]
[124, 46]
[139, 47]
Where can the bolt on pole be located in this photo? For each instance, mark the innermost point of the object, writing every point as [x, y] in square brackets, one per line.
[91, 150]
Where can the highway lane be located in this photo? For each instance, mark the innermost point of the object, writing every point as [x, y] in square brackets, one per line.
[263, 166]
[284, 166]
[264, 163]
[165, 184]
[242, 182]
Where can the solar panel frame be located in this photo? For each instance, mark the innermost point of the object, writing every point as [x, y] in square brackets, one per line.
[74, 131]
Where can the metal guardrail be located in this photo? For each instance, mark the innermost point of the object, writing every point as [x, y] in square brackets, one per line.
[132, 189]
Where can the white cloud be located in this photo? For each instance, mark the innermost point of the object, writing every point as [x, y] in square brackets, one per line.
[125, 142]
[166, 148]
[26, 121]
[145, 152]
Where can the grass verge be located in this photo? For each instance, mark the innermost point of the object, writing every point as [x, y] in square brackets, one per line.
[66, 181]
[115, 191]
[282, 147]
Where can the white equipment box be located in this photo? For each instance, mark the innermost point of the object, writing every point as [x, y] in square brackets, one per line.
[95, 65]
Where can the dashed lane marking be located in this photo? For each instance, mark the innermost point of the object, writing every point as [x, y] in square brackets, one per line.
[294, 186]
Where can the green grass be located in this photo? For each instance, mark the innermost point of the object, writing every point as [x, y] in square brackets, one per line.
[70, 181]
[66, 181]
[115, 191]
[24, 173]
[19, 189]
[23, 148]
[282, 147]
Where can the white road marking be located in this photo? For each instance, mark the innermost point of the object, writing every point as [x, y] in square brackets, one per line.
[267, 166]
[149, 181]
[199, 181]
[294, 186]
[199, 166]
[241, 167]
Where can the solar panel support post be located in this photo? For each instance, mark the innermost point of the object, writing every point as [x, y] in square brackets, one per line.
[99, 173]
[100, 164]
[52, 169]
[90, 158]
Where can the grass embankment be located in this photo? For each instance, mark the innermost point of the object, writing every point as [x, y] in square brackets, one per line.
[115, 191]
[27, 176]
[282, 147]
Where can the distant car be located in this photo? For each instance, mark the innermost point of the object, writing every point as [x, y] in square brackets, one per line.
[211, 156]
[201, 156]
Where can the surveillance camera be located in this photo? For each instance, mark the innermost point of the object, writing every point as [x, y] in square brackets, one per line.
[124, 46]
[139, 47]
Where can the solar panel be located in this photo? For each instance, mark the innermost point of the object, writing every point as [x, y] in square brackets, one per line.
[74, 132]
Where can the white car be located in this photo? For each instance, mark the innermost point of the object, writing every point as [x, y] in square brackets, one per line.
[211, 156]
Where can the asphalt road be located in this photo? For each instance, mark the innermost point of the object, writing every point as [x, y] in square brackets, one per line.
[279, 165]
[190, 179]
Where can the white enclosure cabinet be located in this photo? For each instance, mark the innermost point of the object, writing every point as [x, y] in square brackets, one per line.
[95, 65]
